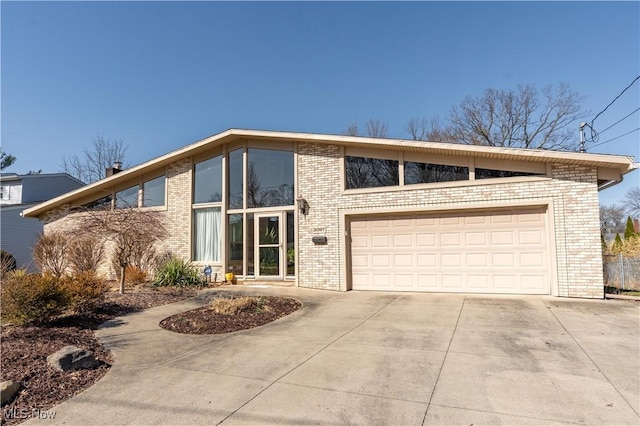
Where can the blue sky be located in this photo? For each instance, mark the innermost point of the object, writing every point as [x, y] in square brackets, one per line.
[161, 75]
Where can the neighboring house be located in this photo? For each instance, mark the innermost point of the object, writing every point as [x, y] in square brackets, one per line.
[19, 192]
[355, 213]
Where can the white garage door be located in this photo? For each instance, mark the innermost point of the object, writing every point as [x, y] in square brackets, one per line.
[472, 252]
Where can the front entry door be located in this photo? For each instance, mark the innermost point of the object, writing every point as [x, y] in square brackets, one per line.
[269, 245]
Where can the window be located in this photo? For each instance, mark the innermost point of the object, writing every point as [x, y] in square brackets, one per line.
[235, 243]
[153, 192]
[235, 175]
[206, 234]
[361, 172]
[99, 204]
[5, 192]
[489, 173]
[427, 173]
[207, 177]
[270, 178]
[127, 198]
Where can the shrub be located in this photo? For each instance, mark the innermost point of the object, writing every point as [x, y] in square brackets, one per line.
[50, 253]
[7, 262]
[177, 272]
[85, 290]
[85, 254]
[231, 306]
[32, 299]
[136, 275]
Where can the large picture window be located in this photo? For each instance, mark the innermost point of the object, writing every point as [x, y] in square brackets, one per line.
[270, 178]
[489, 173]
[235, 177]
[362, 172]
[127, 198]
[206, 234]
[415, 173]
[207, 177]
[153, 192]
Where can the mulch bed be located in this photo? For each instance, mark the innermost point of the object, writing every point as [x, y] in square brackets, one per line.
[205, 321]
[24, 351]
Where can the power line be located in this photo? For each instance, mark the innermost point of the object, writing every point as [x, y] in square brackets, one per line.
[614, 99]
[622, 119]
[617, 137]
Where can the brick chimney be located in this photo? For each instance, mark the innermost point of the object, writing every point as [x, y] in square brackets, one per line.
[117, 168]
[636, 225]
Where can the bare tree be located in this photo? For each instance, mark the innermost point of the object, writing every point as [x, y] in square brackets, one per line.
[612, 220]
[632, 201]
[522, 118]
[50, 253]
[90, 166]
[432, 130]
[127, 229]
[374, 128]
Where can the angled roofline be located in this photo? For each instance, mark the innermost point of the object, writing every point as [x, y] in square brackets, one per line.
[622, 164]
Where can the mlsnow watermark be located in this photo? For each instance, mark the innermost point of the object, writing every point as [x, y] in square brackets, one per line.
[25, 413]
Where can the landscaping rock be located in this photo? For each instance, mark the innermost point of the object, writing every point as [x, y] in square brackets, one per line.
[8, 390]
[72, 358]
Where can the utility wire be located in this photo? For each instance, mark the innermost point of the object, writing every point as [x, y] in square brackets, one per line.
[614, 99]
[622, 119]
[617, 137]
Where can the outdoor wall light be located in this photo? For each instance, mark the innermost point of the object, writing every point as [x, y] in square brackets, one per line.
[303, 206]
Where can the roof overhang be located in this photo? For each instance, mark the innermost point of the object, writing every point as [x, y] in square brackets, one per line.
[613, 167]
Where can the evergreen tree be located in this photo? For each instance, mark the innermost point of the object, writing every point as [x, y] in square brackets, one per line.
[617, 244]
[629, 231]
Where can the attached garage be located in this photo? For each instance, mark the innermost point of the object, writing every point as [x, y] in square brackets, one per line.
[498, 251]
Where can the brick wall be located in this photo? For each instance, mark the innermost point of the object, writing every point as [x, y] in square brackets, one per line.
[573, 192]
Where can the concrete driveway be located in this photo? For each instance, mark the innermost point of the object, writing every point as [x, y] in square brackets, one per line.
[376, 358]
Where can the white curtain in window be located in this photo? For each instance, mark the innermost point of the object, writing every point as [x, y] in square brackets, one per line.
[207, 234]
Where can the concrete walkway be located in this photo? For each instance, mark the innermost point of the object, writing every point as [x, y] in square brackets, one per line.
[376, 358]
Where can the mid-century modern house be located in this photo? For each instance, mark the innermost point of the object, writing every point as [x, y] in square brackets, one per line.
[356, 213]
[19, 192]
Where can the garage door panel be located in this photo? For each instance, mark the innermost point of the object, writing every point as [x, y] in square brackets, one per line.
[502, 238]
[530, 237]
[428, 281]
[475, 238]
[503, 282]
[378, 241]
[360, 261]
[475, 220]
[359, 242]
[380, 260]
[448, 221]
[478, 281]
[451, 260]
[402, 223]
[484, 252]
[400, 260]
[532, 260]
[426, 240]
[533, 282]
[403, 240]
[405, 281]
[427, 260]
[502, 219]
[477, 260]
[503, 260]
[450, 239]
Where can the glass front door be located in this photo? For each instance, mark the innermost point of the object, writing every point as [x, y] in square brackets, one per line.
[269, 247]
